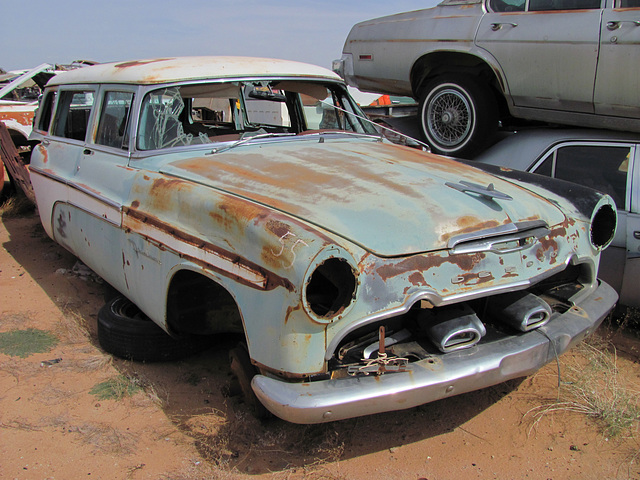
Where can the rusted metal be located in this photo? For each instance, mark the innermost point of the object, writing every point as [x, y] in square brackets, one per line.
[13, 162]
[269, 280]
[329, 245]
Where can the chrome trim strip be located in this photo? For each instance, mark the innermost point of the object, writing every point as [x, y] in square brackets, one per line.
[510, 228]
[489, 244]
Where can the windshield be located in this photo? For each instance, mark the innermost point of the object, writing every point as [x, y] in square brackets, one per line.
[219, 112]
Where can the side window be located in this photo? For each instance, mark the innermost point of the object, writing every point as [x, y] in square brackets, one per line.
[543, 5]
[628, 4]
[603, 168]
[46, 111]
[72, 115]
[507, 5]
[546, 167]
[114, 120]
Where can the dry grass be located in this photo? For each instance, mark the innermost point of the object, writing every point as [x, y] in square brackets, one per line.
[591, 385]
[16, 206]
[72, 328]
[105, 438]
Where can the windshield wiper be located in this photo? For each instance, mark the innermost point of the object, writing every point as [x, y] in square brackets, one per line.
[248, 139]
[377, 126]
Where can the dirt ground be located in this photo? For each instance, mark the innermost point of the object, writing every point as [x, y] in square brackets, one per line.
[175, 423]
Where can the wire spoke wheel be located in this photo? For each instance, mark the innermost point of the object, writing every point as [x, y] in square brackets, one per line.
[458, 116]
[449, 117]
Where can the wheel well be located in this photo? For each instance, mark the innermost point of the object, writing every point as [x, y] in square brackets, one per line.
[438, 63]
[198, 305]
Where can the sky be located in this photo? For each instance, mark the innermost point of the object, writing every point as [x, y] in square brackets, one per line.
[60, 31]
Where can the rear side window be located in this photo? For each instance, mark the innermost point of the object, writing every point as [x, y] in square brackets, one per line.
[72, 114]
[114, 120]
[544, 5]
[46, 111]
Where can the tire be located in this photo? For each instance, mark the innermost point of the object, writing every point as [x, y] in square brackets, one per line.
[126, 332]
[458, 116]
[243, 371]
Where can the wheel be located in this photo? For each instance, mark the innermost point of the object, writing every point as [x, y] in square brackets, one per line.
[126, 332]
[458, 116]
[244, 371]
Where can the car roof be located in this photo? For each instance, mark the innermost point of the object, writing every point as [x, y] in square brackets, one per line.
[520, 149]
[166, 70]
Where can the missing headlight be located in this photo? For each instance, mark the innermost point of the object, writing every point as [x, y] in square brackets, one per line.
[331, 288]
[603, 226]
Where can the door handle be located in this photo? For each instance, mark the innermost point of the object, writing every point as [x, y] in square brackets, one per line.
[87, 151]
[615, 24]
[497, 26]
[636, 235]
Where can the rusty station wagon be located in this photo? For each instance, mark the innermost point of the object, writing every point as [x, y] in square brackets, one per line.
[471, 63]
[226, 194]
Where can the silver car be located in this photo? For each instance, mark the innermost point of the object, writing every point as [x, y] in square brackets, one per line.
[604, 160]
[472, 63]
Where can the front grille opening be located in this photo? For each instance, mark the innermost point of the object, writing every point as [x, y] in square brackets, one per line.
[459, 324]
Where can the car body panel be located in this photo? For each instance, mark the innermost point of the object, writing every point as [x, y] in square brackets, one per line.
[571, 67]
[317, 238]
[355, 191]
[565, 58]
[527, 150]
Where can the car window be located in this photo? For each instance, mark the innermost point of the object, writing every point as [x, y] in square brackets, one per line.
[542, 5]
[265, 105]
[206, 113]
[46, 111]
[507, 5]
[628, 3]
[114, 120]
[604, 168]
[72, 114]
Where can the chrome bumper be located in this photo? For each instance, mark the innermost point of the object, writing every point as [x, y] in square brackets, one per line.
[437, 377]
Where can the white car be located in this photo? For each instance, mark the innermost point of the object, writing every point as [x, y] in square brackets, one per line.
[601, 159]
[251, 196]
[472, 63]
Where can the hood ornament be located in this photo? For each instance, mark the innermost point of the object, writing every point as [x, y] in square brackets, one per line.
[489, 192]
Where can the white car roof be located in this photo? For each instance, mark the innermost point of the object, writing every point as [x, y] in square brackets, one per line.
[166, 70]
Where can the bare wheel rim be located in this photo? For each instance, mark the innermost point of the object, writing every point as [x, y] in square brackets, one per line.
[450, 117]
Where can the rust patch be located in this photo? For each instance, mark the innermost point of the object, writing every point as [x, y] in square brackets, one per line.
[469, 224]
[138, 63]
[416, 278]
[422, 263]
[23, 118]
[290, 310]
[271, 280]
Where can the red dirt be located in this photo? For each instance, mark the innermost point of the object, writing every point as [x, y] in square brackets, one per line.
[182, 426]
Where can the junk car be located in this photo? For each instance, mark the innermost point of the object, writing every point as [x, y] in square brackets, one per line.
[473, 63]
[251, 196]
[600, 159]
[19, 93]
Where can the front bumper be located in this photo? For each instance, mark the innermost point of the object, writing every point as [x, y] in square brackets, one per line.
[436, 377]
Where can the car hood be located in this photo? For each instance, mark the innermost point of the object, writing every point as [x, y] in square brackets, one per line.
[390, 200]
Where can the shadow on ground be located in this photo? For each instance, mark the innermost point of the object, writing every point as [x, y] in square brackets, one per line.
[192, 391]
